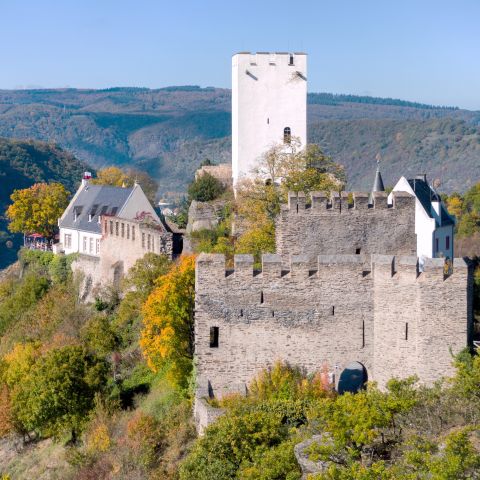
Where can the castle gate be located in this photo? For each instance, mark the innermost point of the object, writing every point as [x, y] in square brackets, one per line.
[353, 378]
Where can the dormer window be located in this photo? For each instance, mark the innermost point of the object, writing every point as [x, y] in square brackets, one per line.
[287, 135]
[77, 212]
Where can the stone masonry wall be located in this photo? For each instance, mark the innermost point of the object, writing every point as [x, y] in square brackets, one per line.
[335, 314]
[125, 241]
[333, 226]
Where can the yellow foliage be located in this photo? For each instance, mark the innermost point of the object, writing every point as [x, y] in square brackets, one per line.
[37, 209]
[455, 206]
[113, 176]
[168, 333]
[19, 362]
[99, 439]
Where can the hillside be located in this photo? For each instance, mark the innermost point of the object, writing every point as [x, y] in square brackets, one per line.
[169, 131]
[22, 163]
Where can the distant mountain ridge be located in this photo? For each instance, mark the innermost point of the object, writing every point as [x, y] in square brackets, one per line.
[169, 131]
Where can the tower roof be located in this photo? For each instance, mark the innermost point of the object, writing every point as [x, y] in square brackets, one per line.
[377, 183]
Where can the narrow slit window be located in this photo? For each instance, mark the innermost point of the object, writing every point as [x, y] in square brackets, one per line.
[261, 297]
[214, 337]
[128, 231]
[333, 310]
[241, 312]
[116, 229]
[406, 331]
[287, 135]
[133, 232]
[111, 227]
[123, 230]
[291, 60]
[273, 313]
[363, 333]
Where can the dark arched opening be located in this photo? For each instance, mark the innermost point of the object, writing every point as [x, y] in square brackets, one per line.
[353, 378]
[287, 135]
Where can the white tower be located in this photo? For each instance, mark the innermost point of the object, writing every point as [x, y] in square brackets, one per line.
[269, 105]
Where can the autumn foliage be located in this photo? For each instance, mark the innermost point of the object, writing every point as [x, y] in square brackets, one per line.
[168, 335]
[37, 209]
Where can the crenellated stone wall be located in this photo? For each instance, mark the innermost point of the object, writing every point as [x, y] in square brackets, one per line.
[332, 225]
[337, 313]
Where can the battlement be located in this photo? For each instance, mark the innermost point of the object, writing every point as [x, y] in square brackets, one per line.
[213, 265]
[346, 223]
[346, 202]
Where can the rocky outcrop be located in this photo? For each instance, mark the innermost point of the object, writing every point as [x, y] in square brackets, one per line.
[308, 466]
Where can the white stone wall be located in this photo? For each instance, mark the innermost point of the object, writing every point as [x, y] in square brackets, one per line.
[77, 241]
[425, 228]
[268, 95]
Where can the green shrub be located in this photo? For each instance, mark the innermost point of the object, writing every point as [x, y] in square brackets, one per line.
[205, 188]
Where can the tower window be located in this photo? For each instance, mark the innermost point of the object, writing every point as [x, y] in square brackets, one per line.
[214, 337]
[287, 135]
[291, 60]
[363, 333]
[357, 251]
[333, 310]
[261, 297]
[406, 331]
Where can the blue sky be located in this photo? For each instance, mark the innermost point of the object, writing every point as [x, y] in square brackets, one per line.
[423, 50]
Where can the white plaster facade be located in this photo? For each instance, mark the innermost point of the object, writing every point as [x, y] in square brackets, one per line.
[434, 235]
[269, 94]
[81, 232]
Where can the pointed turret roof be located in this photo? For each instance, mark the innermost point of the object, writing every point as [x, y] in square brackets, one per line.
[377, 183]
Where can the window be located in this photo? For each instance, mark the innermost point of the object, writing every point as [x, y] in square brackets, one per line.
[111, 227]
[97, 246]
[291, 60]
[357, 251]
[123, 230]
[214, 337]
[133, 232]
[363, 333]
[84, 244]
[406, 331]
[148, 242]
[116, 229]
[287, 135]
[91, 245]
[128, 231]
[143, 240]
[447, 242]
[67, 240]
[261, 297]
[105, 225]
[333, 310]
[436, 245]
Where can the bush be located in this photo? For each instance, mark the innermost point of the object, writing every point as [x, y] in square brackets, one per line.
[205, 188]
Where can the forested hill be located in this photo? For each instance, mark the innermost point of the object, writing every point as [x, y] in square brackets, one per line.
[22, 163]
[169, 131]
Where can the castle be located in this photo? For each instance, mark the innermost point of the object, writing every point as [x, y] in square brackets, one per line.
[109, 228]
[362, 285]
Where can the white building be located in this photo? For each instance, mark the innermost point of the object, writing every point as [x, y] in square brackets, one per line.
[269, 105]
[434, 226]
[80, 228]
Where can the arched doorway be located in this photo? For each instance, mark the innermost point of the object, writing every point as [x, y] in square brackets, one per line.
[353, 378]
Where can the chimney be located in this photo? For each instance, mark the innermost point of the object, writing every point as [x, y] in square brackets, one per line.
[421, 176]
[86, 177]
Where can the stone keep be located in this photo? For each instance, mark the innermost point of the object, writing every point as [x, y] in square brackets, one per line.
[269, 95]
[334, 225]
[393, 319]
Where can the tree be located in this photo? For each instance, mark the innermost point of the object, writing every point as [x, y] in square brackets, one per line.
[37, 209]
[205, 188]
[281, 170]
[116, 177]
[168, 317]
[58, 392]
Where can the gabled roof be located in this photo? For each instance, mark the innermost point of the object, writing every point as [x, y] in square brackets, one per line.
[426, 195]
[90, 202]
